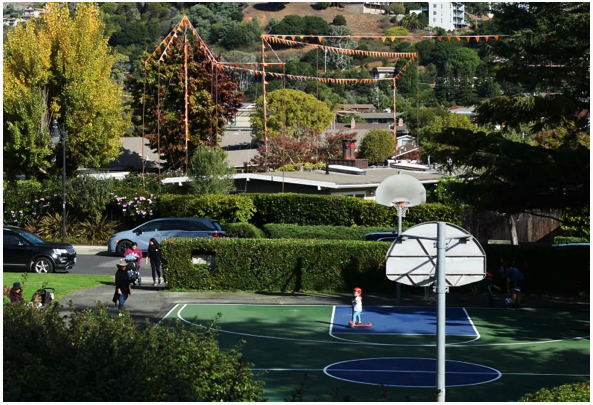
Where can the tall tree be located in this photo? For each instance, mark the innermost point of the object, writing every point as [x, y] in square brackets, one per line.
[213, 101]
[547, 51]
[376, 146]
[59, 66]
[210, 172]
[291, 112]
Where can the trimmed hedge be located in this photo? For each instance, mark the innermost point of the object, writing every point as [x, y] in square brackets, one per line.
[303, 209]
[330, 265]
[569, 239]
[275, 264]
[242, 230]
[286, 231]
[224, 208]
[577, 392]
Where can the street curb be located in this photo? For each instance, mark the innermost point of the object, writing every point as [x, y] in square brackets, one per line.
[89, 249]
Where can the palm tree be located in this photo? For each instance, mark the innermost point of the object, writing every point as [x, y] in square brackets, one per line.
[411, 22]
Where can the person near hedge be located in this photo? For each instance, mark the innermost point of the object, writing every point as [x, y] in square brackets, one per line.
[489, 286]
[122, 285]
[516, 281]
[154, 254]
[16, 293]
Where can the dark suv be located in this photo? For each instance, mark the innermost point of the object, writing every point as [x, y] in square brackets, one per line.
[24, 250]
[381, 236]
[164, 228]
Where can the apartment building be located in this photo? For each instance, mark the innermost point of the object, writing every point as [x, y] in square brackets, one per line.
[447, 15]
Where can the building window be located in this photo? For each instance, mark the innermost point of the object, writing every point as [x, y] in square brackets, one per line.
[434, 20]
[434, 13]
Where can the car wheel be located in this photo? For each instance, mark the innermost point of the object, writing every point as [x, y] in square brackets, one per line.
[123, 246]
[42, 266]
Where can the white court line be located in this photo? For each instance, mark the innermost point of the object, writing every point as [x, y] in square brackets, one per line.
[354, 342]
[473, 326]
[448, 372]
[331, 333]
[495, 372]
[168, 313]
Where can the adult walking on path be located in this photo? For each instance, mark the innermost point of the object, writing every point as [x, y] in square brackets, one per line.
[154, 254]
[122, 285]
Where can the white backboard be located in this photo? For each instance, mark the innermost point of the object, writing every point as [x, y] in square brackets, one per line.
[400, 188]
[412, 258]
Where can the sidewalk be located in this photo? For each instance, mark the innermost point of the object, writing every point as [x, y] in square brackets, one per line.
[89, 249]
[154, 303]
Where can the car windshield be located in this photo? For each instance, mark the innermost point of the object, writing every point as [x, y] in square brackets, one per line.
[30, 237]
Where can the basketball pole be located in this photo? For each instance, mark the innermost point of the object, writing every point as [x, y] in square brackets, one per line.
[398, 291]
[441, 306]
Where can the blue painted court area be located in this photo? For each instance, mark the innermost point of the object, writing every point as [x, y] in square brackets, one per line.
[402, 321]
[410, 372]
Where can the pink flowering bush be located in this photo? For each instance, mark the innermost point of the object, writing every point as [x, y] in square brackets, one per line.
[136, 208]
[21, 213]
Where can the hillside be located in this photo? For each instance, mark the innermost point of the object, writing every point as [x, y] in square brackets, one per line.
[358, 22]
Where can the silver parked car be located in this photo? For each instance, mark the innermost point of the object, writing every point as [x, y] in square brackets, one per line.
[164, 228]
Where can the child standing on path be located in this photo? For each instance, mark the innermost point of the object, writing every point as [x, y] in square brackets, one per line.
[356, 307]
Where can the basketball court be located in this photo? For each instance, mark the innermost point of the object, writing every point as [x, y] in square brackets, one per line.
[492, 354]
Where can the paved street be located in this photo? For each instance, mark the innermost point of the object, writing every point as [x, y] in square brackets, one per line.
[100, 263]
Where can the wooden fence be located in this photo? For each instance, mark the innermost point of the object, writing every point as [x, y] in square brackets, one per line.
[486, 225]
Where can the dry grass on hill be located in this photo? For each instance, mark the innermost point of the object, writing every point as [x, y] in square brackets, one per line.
[357, 21]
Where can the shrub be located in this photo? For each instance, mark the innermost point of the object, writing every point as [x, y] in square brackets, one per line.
[26, 201]
[88, 196]
[377, 146]
[242, 230]
[85, 359]
[233, 208]
[284, 231]
[295, 167]
[577, 392]
[569, 239]
[396, 32]
[279, 265]
[50, 227]
[97, 229]
[339, 20]
[307, 209]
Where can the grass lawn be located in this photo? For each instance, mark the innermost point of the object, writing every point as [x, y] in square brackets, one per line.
[63, 283]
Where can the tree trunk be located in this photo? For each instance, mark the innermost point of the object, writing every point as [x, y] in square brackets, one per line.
[512, 218]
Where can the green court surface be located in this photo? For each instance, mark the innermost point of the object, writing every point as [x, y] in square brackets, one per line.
[503, 355]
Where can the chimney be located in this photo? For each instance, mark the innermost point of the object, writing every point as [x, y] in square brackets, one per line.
[348, 148]
[352, 123]
[400, 123]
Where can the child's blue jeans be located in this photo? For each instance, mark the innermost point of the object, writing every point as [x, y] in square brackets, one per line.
[355, 316]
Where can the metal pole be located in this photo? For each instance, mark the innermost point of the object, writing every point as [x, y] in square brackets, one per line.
[325, 62]
[399, 232]
[158, 122]
[186, 99]
[64, 190]
[441, 305]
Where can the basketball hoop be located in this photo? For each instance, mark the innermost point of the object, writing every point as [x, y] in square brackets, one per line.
[402, 206]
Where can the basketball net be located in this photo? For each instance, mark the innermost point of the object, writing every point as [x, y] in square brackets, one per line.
[402, 206]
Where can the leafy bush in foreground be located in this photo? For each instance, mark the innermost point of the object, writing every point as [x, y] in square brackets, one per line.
[577, 392]
[99, 357]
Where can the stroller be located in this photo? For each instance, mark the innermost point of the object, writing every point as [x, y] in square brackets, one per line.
[133, 269]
